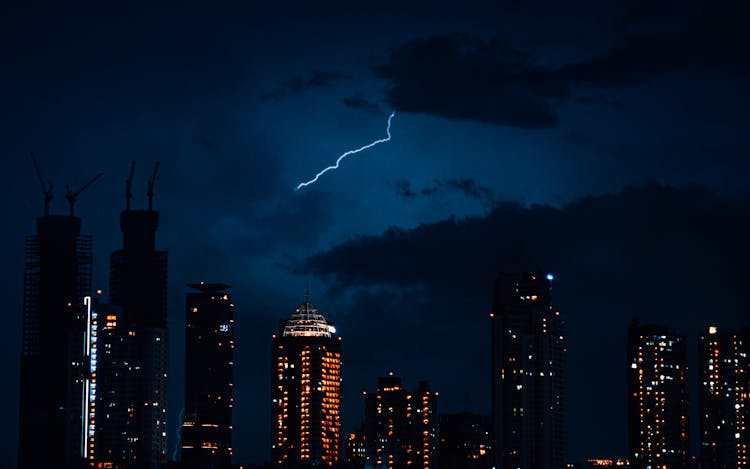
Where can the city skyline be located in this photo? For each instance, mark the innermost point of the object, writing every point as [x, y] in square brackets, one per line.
[604, 144]
[522, 316]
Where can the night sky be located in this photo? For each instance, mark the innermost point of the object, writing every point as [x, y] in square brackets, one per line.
[605, 142]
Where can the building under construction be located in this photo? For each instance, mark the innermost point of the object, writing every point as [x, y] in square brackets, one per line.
[138, 287]
[57, 277]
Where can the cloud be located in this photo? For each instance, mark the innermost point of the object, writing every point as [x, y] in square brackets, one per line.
[458, 76]
[676, 256]
[300, 83]
[469, 188]
[358, 101]
[465, 186]
[647, 228]
[403, 189]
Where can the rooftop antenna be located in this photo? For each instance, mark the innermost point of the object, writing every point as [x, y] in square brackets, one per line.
[150, 192]
[129, 186]
[307, 290]
[46, 186]
[72, 196]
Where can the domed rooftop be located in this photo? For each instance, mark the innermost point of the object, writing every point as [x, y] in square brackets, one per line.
[306, 321]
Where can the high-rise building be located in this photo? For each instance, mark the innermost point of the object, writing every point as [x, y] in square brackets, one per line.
[209, 360]
[57, 277]
[528, 364]
[138, 285]
[465, 441]
[400, 428]
[117, 378]
[724, 364]
[657, 397]
[306, 391]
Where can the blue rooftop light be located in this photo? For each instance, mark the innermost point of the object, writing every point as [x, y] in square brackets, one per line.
[550, 277]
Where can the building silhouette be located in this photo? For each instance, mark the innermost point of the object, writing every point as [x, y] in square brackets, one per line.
[657, 397]
[528, 364]
[138, 285]
[400, 428]
[209, 360]
[465, 441]
[306, 391]
[724, 365]
[57, 277]
[355, 449]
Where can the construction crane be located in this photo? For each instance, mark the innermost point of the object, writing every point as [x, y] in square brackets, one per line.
[129, 186]
[150, 192]
[46, 186]
[72, 196]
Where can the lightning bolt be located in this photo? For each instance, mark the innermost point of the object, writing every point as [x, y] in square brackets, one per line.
[350, 152]
[179, 434]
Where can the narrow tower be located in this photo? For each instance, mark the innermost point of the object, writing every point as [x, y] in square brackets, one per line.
[209, 359]
[528, 364]
[57, 277]
[306, 391]
[724, 367]
[56, 280]
[657, 397]
[138, 286]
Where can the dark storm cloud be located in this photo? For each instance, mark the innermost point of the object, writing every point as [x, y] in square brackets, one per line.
[458, 76]
[461, 77]
[622, 234]
[673, 256]
[403, 189]
[300, 83]
[359, 101]
[469, 188]
[465, 186]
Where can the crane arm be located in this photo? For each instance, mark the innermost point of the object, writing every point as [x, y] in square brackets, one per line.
[151, 183]
[72, 196]
[129, 185]
[86, 186]
[46, 187]
[39, 172]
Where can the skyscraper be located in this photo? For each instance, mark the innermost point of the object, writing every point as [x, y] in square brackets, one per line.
[400, 428]
[209, 360]
[724, 398]
[57, 277]
[657, 397]
[306, 391]
[138, 284]
[117, 388]
[528, 363]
